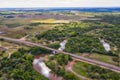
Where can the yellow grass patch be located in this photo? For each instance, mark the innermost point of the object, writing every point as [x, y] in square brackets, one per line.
[50, 21]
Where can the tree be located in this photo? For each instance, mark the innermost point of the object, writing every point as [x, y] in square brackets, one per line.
[70, 76]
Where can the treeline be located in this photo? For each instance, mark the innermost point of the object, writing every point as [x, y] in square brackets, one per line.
[13, 25]
[54, 45]
[34, 24]
[41, 23]
[35, 50]
[111, 18]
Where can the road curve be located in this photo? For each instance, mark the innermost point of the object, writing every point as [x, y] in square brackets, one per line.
[83, 59]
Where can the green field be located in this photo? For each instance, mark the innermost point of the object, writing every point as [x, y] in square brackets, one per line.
[94, 72]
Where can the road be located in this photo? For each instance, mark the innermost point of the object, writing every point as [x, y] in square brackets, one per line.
[69, 67]
[80, 58]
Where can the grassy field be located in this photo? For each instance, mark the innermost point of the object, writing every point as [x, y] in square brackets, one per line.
[19, 27]
[10, 48]
[99, 57]
[94, 72]
[80, 68]
[49, 21]
[19, 24]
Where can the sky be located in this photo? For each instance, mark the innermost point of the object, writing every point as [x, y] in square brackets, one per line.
[58, 3]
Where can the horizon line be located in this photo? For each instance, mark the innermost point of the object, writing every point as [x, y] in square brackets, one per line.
[60, 7]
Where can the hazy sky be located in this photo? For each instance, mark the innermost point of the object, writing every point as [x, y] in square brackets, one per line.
[59, 3]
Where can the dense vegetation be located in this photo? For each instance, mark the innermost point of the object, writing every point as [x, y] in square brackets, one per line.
[112, 19]
[54, 45]
[34, 24]
[65, 31]
[19, 67]
[57, 63]
[35, 50]
[84, 35]
[94, 72]
[84, 43]
[73, 29]
[13, 25]
[112, 35]
[76, 35]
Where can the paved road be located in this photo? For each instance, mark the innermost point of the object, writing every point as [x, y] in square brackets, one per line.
[83, 59]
